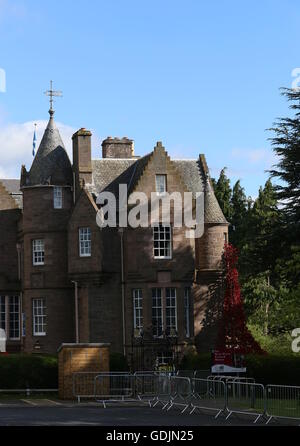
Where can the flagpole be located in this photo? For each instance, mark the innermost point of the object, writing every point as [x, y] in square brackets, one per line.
[34, 141]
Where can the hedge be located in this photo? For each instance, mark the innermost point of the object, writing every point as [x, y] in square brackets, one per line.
[19, 371]
[266, 369]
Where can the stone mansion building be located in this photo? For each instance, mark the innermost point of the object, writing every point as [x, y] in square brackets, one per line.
[64, 279]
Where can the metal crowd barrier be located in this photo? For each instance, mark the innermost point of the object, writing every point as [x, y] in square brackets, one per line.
[114, 387]
[208, 395]
[149, 386]
[245, 398]
[202, 374]
[180, 392]
[222, 394]
[282, 402]
[83, 385]
[163, 389]
[186, 373]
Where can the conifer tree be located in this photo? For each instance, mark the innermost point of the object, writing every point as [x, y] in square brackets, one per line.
[286, 145]
[223, 193]
[262, 240]
[239, 217]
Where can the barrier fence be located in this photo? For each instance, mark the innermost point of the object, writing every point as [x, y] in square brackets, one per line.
[222, 394]
[208, 395]
[282, 402]
[180, 392]
[245, 398]
[116, 387]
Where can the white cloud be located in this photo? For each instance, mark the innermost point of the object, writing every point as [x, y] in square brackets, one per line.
[16, 145]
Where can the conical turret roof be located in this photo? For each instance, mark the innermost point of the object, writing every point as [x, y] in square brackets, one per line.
[212, 210]
[51, 164]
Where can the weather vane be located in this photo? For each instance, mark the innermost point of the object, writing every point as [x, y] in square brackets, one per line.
[52, 93]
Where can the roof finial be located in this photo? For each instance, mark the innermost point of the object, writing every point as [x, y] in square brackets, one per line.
[52, 93]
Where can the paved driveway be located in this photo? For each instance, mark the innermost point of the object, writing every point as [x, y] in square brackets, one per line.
[51, 413]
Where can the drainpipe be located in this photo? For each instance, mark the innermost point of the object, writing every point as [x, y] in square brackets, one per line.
[121, 232]
[19, 260]
[74, 188]
[76, 312]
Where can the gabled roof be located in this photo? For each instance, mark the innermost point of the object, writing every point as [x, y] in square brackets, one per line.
[106, 170]
[51, 164]
[190, 172]
[109, 173]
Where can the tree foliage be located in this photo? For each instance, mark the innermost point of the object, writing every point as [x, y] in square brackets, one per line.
[286, 145]
[266, 231]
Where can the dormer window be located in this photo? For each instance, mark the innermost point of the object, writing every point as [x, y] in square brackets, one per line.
[57, 197]
[161, 184]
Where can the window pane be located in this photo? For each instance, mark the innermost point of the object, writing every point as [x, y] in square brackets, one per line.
[85, 242]
[14, 317]
[39, 317]
[57, 197]
[160, 184]
[2, 313]
[157, 312]
[38, 252]
[137, 310]
[187, 294]
[171, 311]
[162, 241]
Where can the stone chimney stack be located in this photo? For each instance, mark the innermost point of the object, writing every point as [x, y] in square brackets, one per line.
[82, 158]
[117, 148]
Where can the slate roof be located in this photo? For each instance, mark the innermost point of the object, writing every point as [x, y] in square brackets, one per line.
[51, 164]
[106, 170]
[13, 187]
[212, 210]
[108, 173]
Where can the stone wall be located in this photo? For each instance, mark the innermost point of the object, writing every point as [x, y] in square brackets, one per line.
[78, 359]
[117, 148]
[49, 281]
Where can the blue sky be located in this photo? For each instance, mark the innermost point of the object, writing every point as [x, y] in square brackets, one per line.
[201, 76]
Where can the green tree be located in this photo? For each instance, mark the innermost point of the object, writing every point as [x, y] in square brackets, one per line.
[259, 295]
[239, 206]
[262, 240]
[286, 145]
[223, 193]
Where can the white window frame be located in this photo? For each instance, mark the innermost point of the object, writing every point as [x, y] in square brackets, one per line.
[39, 317]
[85, 242]
[8, 306]
[171, 311]
[23, 324]
[157, 311]
[160, 241]
[161, 184]
[57, 197]
[137, 296]
[3, 313]
[187, 309]
[38, 252]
